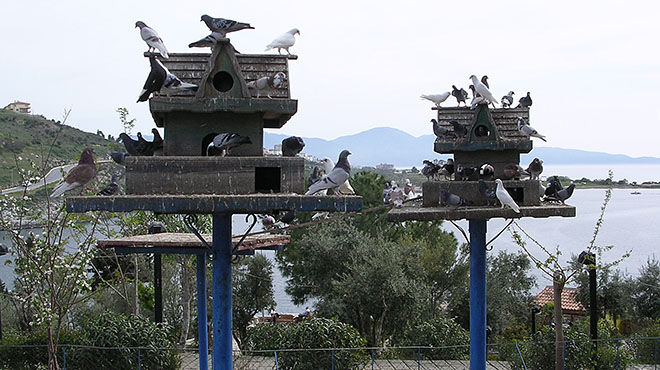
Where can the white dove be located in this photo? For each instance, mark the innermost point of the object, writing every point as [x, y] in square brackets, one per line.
[151, 38]
[345, 187]
[504, 197]
[284, 42]
[528, 130]
[437, 98]
[483, 90]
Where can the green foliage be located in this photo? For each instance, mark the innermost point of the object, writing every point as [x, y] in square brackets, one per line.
[127, 124]
[646, 295]
[308, 336]
[647, 350]
[444, 333]
[252, 291]
[27, 357]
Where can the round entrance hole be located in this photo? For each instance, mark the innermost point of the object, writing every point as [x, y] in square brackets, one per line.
[222, 81]
[481, 131]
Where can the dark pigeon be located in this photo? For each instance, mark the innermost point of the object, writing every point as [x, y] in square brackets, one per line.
[554, 185]
[459, 129]
[514, 171]
[224, 26]
[288, 217]
[484, 80]
[292, 146]
[525, 101]
[564, 194]
[487, 193]
[129, 144]
[158, 142]
[222, 143]
[112, 188]
[535, 168]
[460, 94]
[339, 174]
[79, 176]
[207, 42]
[155, 80]
[119, 157]
[467, 173]
[430, 169]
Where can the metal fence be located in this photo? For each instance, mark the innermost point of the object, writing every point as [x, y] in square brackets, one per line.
[624, 353]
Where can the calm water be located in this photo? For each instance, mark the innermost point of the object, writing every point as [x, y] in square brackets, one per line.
[630, 224]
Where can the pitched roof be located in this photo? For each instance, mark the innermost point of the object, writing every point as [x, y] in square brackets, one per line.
[569, 300]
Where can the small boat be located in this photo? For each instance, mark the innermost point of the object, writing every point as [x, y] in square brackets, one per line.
[635, 193]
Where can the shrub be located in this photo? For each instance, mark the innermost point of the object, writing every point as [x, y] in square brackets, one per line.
[449, 339]
[32, 353]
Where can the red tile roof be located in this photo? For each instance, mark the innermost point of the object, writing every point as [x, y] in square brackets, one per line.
[569, 300]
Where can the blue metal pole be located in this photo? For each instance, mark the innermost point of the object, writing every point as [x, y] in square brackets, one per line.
[222, 246]
[477, 294]
[202, 325]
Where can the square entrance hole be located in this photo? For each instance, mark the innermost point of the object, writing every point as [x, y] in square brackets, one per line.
[267, 180]
[518, 194]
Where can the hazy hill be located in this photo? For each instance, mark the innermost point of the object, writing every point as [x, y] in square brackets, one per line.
[30, 137]
[390, 145]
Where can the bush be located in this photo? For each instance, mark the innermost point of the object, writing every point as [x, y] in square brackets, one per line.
[449, 338]
[646, 349]
[32, 353]
[305, 337]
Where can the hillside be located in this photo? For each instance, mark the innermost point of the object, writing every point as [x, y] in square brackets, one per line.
[30, 138]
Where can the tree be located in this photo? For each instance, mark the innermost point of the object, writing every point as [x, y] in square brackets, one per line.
[252, 291]
[125, 122]
[646, 294]
[613, 292]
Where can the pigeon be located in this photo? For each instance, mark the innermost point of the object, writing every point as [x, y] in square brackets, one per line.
[208, 41]
[112, 188]
[438, 129]
[554, 185]
[224, 26]
[525, 101]
[514, 171]
[284, 42]
[151, 38]
[486, 171]
[449, 199]
[292, 146]
[528, 130]
[119, 157]
[155, 80]
[484, 80]
[482, 90]
[466, 173]
[334, 178]
[507, 100]
[274, 81]
[143, 146]
[344, 188]
[474, 92]
[173, 84]
[535, 168]
[387, 192]
[288, 217]
[430, 169]
[267, 220]
[409, 190]
[130, 144]
[157, 142]
[222, 143]
[459, 129]
[436, 98]
[396, 196]
[564, 194]
[460, 95]
[79, 176]
[448, 168]
[504, 197]
[314, 177]
[487, 193]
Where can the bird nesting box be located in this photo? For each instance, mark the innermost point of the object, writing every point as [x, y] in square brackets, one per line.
[223, 103]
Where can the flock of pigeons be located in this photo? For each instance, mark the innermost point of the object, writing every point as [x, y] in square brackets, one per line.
[480, 95]
[161, 80]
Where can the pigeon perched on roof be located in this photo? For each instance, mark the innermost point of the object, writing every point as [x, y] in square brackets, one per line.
[438, 129]
[224, 142]
[314, 177]
[119, 157]
[112, 188]
[292, 145]
[459, 129]
[273, 81]
[409, 190]
[345, 187]
[460, 95]
[528, 130]
[79, 176]
[507, 100]
[174, 84]
[504, 197]
[487, 193]
[335, 177]
[152, 39]
[484, 80]
[482, 90]
[449, 199]
[224, 26]
[525, 101]
[208, 41]
[514, 171]
[155, 80]
[387, 192]
[430, 169]
[436, 98]
[284, 42]
[535, 168]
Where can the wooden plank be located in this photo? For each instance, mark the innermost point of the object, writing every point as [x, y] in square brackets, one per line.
[202, 105]
[204, 204]
[417, 213]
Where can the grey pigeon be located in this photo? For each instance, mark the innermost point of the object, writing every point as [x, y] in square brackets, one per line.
[155, 80]
[173, 84]
[535, 168]
[333, 179]
[507, 100]
[292, 146]
[487, 193]
[112, 188]
[460, 94]
[224, 142]
[564, 194]
[314, 177]
[528, 130]
[119, 157]
[459, 129]
[504, 197]
[449, 199]
[79, 176]
[430, 169]
[224, 26]
[438, 129]
[130, 144]
[387, 192]
[151, 38]
[208, 41]
[284, 42]
[525, 101]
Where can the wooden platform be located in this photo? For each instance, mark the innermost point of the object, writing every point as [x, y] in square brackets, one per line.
[415, 212]
[205, 204]
[188, 243]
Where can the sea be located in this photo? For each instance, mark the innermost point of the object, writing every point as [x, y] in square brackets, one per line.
[630, 225]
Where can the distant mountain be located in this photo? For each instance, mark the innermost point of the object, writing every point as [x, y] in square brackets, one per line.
[390, 145]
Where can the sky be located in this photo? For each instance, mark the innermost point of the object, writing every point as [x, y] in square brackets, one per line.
[592, 67]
